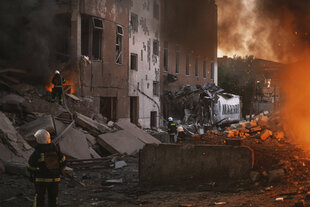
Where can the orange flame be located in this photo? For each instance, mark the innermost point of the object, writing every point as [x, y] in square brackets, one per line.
[295, 86]
[66, 85]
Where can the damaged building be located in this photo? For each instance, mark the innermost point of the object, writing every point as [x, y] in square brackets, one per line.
[188, 48]
[144, 64]
[98, 43]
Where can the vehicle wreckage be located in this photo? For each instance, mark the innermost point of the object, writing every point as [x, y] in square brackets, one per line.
[200, 108]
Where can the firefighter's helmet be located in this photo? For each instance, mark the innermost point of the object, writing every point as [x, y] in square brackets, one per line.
[42, 136]
[180, 129]
[170, 119]
[57, 72]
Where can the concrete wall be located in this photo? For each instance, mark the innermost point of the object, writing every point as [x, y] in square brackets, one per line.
[141, 43]
[178, 164]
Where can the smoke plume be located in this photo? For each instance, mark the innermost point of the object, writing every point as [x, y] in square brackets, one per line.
[27, 36]
[277, 29]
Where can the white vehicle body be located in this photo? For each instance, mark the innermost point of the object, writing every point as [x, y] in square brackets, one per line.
[227, 109]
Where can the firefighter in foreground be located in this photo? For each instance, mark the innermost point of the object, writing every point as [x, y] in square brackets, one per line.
[172, 129]
[57, 91]
[45, 165]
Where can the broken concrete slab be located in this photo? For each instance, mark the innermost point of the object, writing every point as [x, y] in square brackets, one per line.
[12, 139]
[45, 122]
[120, 164]
[93, 153]
[276, 175]
[73, 97]
[74, 144]
[92, 126]
[180, 164]
[142, 135]
[120, 142]
[16, 168]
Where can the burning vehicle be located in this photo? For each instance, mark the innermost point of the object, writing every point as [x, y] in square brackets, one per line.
[203, 107]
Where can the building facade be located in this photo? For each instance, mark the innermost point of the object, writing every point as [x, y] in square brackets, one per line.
[188, 46]
[98, 42]
[144, 62]
[129, 53]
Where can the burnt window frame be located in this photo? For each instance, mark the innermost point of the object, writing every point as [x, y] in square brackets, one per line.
[156, 47]
[134, 21]
[156, 88]
[166, 56]
[156, 9]
[205, 69]
[196, 66]
[119, 44]
[187, 60]
[136, 61]
[97, 29]
[212, 71]
[177, 59]
[88, 30]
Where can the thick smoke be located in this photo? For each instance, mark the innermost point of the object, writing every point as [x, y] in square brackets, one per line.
[276, 29]
[190, 23]
[27, 36]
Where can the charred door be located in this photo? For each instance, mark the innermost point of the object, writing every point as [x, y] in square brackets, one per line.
[108, 107]
[134, 109]
[153, 119]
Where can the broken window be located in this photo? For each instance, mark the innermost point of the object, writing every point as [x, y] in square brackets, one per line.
[97, 38]
[155, 47]
[91, 37]
[204, 69]
[196, 67]
[187, 64]
[212, 71]
[134, 22]
[133, 61]
[156, 88]
[119, 44]
[156, 10]
[177, 59]
[166, 56]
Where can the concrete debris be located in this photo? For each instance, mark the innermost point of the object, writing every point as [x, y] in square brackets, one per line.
[254, 176]
[111, 124]
[120, 164]
[74, 144]
[280, 199]
[115, 181]
[143, 136]
[29, 129]
[12, 139]
[275, 175]
[16, 168]
[220, 203]
[300, 203]
[121, 142]
[92, 126]
[73, 97]
[266, 134]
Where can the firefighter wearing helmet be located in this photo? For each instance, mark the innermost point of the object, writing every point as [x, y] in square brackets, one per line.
[57, 91]
[45, 166]
[172, 129]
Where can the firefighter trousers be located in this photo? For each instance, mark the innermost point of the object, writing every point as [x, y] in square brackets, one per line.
[52, 192]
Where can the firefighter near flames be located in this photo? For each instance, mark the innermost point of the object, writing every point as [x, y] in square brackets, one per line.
[57, 91]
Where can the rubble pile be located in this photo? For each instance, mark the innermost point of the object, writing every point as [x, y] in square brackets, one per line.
[79, 131]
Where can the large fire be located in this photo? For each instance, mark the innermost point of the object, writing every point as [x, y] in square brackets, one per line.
[295, 86]
[68, 86]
